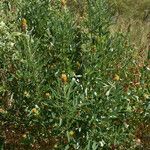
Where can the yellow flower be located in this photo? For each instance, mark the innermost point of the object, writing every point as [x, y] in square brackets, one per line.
[71, 133]
[55, 146]
[63, 3]
[116, 77]
[138, 141]
[24, 136]
[26, 94]
[24, 24]
[2, 111]
[35, 111]
[146, 96]
[47, 94]
[64, 78]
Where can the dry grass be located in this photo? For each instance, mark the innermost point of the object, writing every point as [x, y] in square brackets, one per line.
[137, 9]
[138, 32]
[133, 17]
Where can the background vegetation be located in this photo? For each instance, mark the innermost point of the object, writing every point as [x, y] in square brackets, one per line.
[68, 80]
[133, 17]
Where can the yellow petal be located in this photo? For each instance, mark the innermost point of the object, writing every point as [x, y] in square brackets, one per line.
[116, 77]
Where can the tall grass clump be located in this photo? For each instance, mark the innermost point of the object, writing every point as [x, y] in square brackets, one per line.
[66, 81]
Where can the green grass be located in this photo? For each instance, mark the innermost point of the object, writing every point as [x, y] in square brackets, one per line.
[67, 82]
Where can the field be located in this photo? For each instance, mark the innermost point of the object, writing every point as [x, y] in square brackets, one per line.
[75, 75]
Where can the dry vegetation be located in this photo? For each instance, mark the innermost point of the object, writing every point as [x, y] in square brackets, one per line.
[133, 17]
